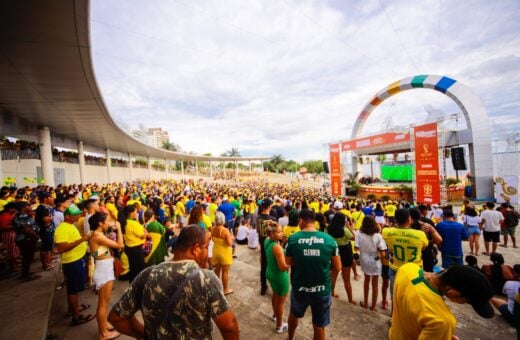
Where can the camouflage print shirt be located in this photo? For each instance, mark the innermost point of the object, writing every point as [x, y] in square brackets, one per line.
[190, 316]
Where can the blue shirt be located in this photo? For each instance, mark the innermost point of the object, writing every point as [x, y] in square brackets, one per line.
[368, 211]
[452, 233]
[189, 205]
[227, 209]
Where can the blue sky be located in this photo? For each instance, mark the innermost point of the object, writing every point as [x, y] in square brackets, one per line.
[288, 77]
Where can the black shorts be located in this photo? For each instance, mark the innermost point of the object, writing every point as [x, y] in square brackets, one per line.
[75, 276]
[384, 272]
[345, 253]
[492, 236]
[244, 241]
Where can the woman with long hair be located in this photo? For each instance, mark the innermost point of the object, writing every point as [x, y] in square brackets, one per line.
[342, 232]
[380, 215]
[276, 272]
[156, 231]
[498, 272]
[196, 217]
[222, 256]
[372, 249]
[104, 271]
[134, 235]
[472, 222]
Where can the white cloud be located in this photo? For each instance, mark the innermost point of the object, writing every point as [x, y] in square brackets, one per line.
[289, 76]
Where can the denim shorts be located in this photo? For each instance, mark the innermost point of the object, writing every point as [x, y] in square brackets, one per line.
[320, 307]
[75, 276]
[473, 230]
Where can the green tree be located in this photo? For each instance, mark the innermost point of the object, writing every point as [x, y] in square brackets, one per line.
[313, 166]
[170, 146]
[277, 161]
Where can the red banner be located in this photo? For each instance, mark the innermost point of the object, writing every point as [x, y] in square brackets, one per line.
[377, 140]
[427, 164]
[335, 170]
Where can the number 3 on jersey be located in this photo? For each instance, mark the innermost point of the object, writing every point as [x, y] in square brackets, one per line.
[401, 253]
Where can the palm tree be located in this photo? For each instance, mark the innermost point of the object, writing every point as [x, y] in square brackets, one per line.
[231, 153]
[276, 161]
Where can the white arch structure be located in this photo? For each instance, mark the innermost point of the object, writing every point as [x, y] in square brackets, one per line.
[477, 121]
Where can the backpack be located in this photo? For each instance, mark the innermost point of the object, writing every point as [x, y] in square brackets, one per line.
[511, 219]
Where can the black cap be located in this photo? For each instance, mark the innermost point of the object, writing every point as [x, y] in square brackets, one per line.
[473, 285]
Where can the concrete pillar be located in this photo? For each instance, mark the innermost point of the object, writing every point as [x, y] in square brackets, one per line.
[197, 168]
[149, 161]
[166, 165]
[46, 156]
[236, 170]
[109, 166]
[224, 163]
[250, 168]
[210, 170]
[130, 167]
[81, 157]
[182, 169]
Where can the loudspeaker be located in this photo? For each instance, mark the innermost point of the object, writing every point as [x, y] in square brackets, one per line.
[326, 167]
[457, 158]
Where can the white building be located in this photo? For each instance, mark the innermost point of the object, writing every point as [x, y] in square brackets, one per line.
[140, 135]
[156, 137]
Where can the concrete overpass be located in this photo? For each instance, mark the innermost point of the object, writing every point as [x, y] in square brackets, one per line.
[48, 89]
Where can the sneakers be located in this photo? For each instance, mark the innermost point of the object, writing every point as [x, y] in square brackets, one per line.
[263, 290]
[283, 328]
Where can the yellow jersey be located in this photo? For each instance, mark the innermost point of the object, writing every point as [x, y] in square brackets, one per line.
[288, 230]
[212, 211]
[405, 245]
[390, 210]
[358, 217]
[419, 311]
[134, 232]
[68, 233]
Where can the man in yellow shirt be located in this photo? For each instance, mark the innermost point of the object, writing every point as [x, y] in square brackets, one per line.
[390, 212]
[73, 247]
[404, 244]
[419, 311]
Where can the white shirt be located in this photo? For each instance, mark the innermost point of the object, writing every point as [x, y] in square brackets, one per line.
[242, 232]
[370, 243]
[491, 220]
[283, 221]
[472, 220]
[58, 217]
[510, 290]
[252, 240]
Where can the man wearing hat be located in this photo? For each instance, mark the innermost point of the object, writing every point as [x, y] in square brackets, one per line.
[419, 311]
[72, 247]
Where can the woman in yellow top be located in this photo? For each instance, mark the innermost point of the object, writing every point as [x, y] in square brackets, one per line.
[222, 256]
[134, 235]
[291, 228]
[104, 272]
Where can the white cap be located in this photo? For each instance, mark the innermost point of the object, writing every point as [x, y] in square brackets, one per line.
[338, 205]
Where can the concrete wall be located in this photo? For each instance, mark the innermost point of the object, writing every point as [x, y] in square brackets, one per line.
[19, 169]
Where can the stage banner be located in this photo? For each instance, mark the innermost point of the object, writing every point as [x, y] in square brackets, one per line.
[335, 170]
[427, 164]
[506, 189]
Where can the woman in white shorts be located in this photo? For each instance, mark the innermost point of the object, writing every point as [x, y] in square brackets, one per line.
[104, 271]
[371, 248]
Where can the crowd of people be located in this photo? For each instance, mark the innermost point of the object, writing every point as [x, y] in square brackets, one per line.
[181, 236]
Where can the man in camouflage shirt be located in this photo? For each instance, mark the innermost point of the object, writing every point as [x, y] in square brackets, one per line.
[178, 299]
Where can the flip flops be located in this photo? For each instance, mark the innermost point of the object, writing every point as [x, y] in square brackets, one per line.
[229, 291]
[112, 335]
[82, 307]
[81, 319]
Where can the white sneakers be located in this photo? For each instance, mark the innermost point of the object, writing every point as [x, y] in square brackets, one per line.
[283, 328]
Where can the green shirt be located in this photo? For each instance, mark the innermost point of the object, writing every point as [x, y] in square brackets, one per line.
[345, 240]
[311, 253]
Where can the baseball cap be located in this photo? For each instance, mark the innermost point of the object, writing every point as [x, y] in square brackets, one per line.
[72, 210]
[338, 205]
[473, 285]
[44, 194]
